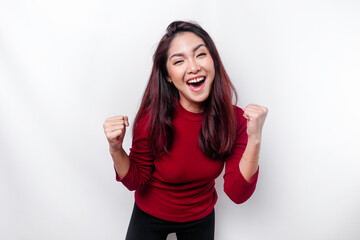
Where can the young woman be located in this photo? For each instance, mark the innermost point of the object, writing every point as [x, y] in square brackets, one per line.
[184, 133]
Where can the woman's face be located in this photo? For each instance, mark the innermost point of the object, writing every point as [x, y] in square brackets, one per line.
[191, 70]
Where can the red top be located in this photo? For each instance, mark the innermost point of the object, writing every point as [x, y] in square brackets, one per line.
[179, 186]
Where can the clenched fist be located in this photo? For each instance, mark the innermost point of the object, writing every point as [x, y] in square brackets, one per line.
[115, 129]
[255, 116]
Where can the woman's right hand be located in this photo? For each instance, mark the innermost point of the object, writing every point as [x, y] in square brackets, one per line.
[115, 129]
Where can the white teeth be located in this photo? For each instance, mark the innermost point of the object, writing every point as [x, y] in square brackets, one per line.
[196, 80]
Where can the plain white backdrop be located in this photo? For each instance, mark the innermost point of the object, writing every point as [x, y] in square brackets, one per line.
[65, 66]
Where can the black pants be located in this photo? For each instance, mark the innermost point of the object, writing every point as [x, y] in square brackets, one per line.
[143, 226]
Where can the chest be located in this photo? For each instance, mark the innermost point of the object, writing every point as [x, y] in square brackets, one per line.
[186, 162]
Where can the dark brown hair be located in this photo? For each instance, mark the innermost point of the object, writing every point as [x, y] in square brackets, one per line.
[160, 99]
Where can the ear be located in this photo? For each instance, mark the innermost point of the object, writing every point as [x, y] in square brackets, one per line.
[169, 79]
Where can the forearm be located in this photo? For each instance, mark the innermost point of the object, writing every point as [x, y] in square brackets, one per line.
[121, 162]
[249, 162]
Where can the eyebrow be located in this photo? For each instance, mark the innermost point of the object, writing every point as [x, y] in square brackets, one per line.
[194, 50]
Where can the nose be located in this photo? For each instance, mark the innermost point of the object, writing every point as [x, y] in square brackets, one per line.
[193, 66]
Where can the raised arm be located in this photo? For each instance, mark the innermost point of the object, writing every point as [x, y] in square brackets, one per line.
[133, 170]
[241, 169]
[115, 129]
[255, 116]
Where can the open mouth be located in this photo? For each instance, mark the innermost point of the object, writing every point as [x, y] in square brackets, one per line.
[196, 84]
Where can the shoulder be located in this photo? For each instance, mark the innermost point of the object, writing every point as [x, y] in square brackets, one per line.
[238, 112]
[142, 125]
[144, 118]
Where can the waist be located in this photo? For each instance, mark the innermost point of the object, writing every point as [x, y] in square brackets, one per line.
[177, 203]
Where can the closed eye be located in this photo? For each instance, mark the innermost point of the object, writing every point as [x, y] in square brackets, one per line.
[201, 54]
[179, 61]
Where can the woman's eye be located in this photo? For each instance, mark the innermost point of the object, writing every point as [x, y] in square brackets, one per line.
[179, 61]
[201, 54]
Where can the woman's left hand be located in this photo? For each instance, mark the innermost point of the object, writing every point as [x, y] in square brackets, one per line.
[255, 115]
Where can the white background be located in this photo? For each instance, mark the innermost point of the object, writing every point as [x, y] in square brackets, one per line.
[65, 66]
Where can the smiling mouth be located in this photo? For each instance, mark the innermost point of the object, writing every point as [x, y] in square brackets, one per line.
[196, 84]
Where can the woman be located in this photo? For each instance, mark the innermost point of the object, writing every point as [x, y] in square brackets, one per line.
[185, 131]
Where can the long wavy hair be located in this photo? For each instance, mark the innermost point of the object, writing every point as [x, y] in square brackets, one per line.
[218, 130]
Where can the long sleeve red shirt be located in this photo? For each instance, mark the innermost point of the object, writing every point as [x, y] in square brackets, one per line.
[180, 186]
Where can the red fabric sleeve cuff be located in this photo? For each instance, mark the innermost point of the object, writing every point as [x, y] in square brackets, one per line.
[240, 178]
[126, 175]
